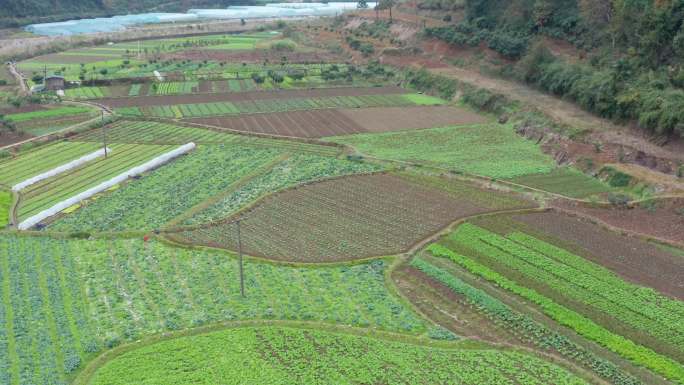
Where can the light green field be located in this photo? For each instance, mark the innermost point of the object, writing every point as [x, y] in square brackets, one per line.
[490, 150]
[44, 158]
[566, 181]
[5, 204]
[281, 355]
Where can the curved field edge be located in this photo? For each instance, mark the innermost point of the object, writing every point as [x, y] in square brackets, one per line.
[582, 324]
[88, 373]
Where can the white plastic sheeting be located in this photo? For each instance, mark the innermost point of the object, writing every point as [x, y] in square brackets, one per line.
[60, 169]
[118, 23]
[156, 162]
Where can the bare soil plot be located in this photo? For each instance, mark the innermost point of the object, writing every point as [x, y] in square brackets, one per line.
[167, 100]
[304, 124]
[662, 219]
[8, 137]
[342, 219]
[636, 260]
[402, 118]
[322, 123]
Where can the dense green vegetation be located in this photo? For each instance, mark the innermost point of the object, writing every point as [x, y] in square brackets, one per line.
[48, 192]
[5, 204]
[489, 149]
[281, 355]
[566, 181]
[635, 52]
[64, 300]
[44, 158]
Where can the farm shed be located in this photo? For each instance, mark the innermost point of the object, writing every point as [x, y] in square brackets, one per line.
[54, 83]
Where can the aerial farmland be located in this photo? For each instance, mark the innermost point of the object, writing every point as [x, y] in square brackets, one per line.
[279, 204]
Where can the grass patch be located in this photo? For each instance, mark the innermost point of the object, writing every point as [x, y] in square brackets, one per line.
[491, 150]
[425, 100]
[51, 113]
[566, 181]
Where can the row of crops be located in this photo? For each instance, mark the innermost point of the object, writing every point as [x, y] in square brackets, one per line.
[47, 113]
[634, 322]
[48, 192]
[86, 93]
[169, 191]
[64, 300]
[15, 170]
[264, 106]
[297, 356]
[525, 328]
[173, 88]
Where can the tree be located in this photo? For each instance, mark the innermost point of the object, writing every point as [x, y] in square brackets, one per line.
[387, 4]
[362, 4]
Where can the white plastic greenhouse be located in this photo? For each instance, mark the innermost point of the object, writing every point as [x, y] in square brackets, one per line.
[118, 23]
[154, 163]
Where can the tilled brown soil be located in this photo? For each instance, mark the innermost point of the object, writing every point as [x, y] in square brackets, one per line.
[342, 219]
[383, 119]
[636, 260]
[664, 219]
[322, 123]
[146, 101]
[303, 124]
[7, 137]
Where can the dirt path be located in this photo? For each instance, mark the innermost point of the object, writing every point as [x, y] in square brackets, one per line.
[20, 78]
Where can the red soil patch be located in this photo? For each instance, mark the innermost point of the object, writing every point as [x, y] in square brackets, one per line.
[168, 100]
[638, 261]
[342, 219]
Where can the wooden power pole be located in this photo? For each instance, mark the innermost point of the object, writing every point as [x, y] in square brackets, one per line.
[242, 275]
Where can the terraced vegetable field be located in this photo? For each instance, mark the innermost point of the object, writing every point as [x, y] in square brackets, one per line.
[638, 324]
[176, 187]
[491, 150]
[48, 192]
[344, 219]
[332, 122]
[28, 164]
[170, 100]
[281, 355]
[186, 111]
[64, 300]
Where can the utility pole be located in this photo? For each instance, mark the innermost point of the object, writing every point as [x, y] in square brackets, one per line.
[242, 276]
[104, 133]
